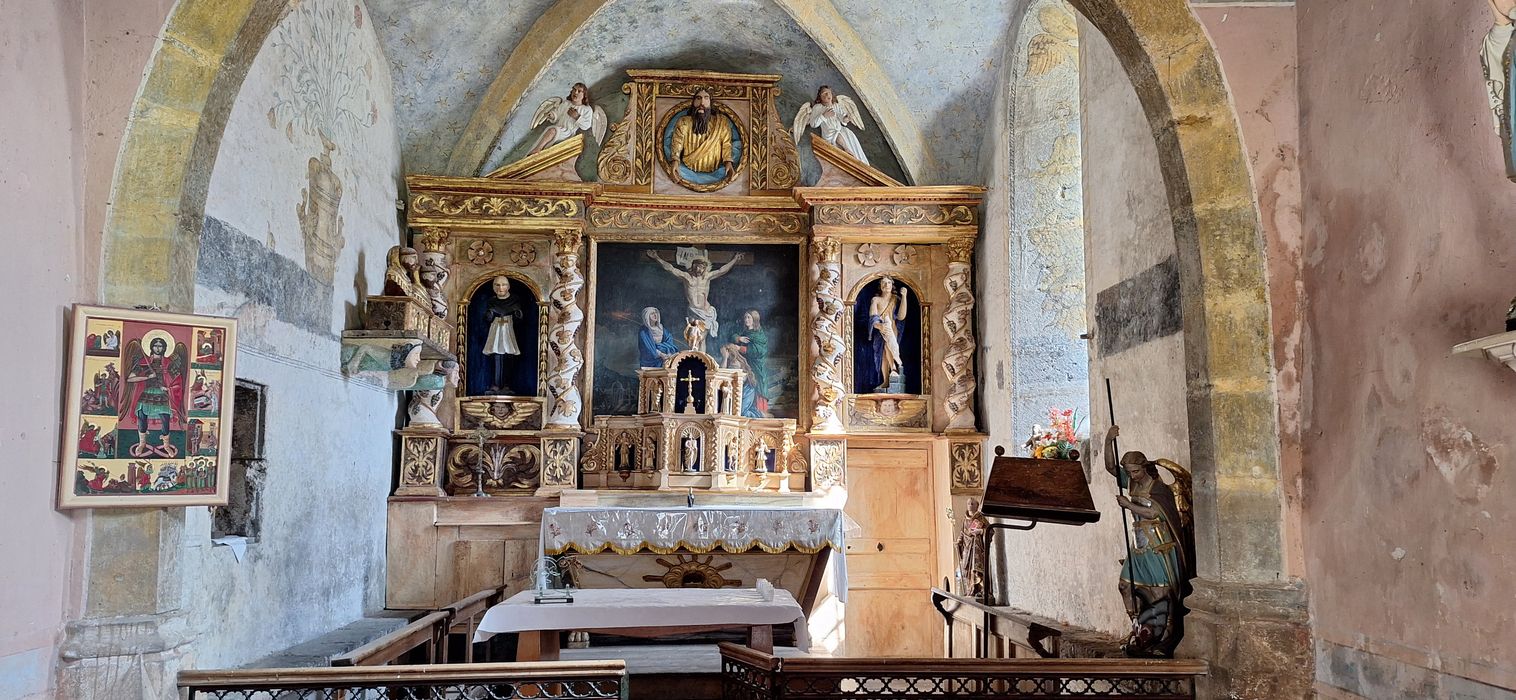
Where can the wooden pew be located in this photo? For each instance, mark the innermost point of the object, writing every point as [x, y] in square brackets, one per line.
[429, 632]
[463, 618]
[751, 675]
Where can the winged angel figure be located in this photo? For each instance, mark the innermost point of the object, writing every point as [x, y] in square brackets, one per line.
[831, 114]
[568, 116]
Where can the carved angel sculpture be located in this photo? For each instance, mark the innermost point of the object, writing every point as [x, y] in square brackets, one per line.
[567, 116]
[831, 114]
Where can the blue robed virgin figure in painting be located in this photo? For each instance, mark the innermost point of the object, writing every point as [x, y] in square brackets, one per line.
[654, 343]
[887, 333]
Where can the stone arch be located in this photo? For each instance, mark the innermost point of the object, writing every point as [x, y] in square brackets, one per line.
[819, 19]
[151, 241]
[1245, 599]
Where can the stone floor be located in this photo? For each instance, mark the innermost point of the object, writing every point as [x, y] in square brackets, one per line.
[319, 651]
[669, 671]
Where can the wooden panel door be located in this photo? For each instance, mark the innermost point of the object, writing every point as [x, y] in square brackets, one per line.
[891, 559]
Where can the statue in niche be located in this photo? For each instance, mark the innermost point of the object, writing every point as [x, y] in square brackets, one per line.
[654, 344]
[433, 275]
[1155, 577]
[502, 339]
[567, 116]
[697, 285]
[691, 446]
[501, 312]
[748, 350]
[702, 139]
[831, 114]
[426, 394]
[880, 366]
[760, 456]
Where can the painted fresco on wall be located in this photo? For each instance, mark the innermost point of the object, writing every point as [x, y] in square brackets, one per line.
[740, 301]
[146, 400]
[887, 339]
[502, 324]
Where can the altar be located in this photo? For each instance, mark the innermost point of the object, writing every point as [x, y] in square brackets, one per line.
[641, 547]
[670, 304]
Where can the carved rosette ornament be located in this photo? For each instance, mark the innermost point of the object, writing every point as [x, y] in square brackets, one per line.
[523, 254]
[826, 336]
[564, 359]
[958, 321]
[481, 252]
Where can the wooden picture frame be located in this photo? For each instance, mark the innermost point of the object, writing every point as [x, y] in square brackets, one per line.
[147, 420]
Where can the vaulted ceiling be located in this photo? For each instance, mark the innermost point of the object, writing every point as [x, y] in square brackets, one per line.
[924, 72]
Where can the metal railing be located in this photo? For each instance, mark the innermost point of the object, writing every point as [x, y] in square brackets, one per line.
[565, 680]
[751, 675]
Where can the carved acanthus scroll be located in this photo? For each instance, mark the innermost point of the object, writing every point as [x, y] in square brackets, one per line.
[826, 335]
[564, 359]
[958, 321]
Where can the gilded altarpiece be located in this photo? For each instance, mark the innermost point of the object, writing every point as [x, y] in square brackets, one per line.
[739, 394]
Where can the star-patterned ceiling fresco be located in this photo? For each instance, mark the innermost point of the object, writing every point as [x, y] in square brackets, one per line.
[943, 59]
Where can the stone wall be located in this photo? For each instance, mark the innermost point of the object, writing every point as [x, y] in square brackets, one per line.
[1408, 250]
[42, 148]
[299, 216]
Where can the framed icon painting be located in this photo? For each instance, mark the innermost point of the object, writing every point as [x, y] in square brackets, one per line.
[148, 417]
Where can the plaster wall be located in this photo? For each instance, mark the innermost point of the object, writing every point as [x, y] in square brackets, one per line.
[1407, 251]
[42, 148]
[299, 216]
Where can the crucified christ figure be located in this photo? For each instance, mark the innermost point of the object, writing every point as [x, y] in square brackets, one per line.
[697, 285]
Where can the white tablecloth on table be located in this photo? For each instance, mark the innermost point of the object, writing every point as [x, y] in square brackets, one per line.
[619, 608]
[732, 529]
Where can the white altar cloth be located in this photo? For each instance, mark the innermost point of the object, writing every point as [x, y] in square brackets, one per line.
[620, 608]
[732, 529]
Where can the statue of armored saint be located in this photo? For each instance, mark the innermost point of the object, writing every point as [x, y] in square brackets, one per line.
[1155, 577]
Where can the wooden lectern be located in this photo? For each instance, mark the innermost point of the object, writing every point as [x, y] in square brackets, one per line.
[1033, 491]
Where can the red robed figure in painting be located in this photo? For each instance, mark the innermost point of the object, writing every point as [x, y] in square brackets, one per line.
[154, 385]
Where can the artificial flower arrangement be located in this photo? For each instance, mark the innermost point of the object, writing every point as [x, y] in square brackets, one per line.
[1060, 440]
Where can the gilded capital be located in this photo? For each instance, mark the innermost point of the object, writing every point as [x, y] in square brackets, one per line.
[960, 249]
[433, 239]
[826, 250]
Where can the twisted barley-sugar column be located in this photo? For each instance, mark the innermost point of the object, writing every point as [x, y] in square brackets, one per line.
[826, 333]
[958, 321]
[564, 359]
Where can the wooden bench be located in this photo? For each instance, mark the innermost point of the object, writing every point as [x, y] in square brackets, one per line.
[747, 674]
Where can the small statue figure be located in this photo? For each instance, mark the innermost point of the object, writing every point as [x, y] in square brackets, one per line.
[1510, 317]
[426, 396]
[971, 559]
[500, 344]
[402, 275]
[831, 114]
[433, 276]
[760, 456]
[694, 334]
[1494, 57]
[568, 116]
[1156, 575]
[691, 454]
[886, 311]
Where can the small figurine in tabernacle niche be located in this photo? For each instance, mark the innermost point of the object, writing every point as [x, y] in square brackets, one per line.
[1155, 577]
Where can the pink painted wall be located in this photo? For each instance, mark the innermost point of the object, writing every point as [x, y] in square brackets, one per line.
[70, 74]
[1256, 46]
[41, 151]
[1409, 249]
